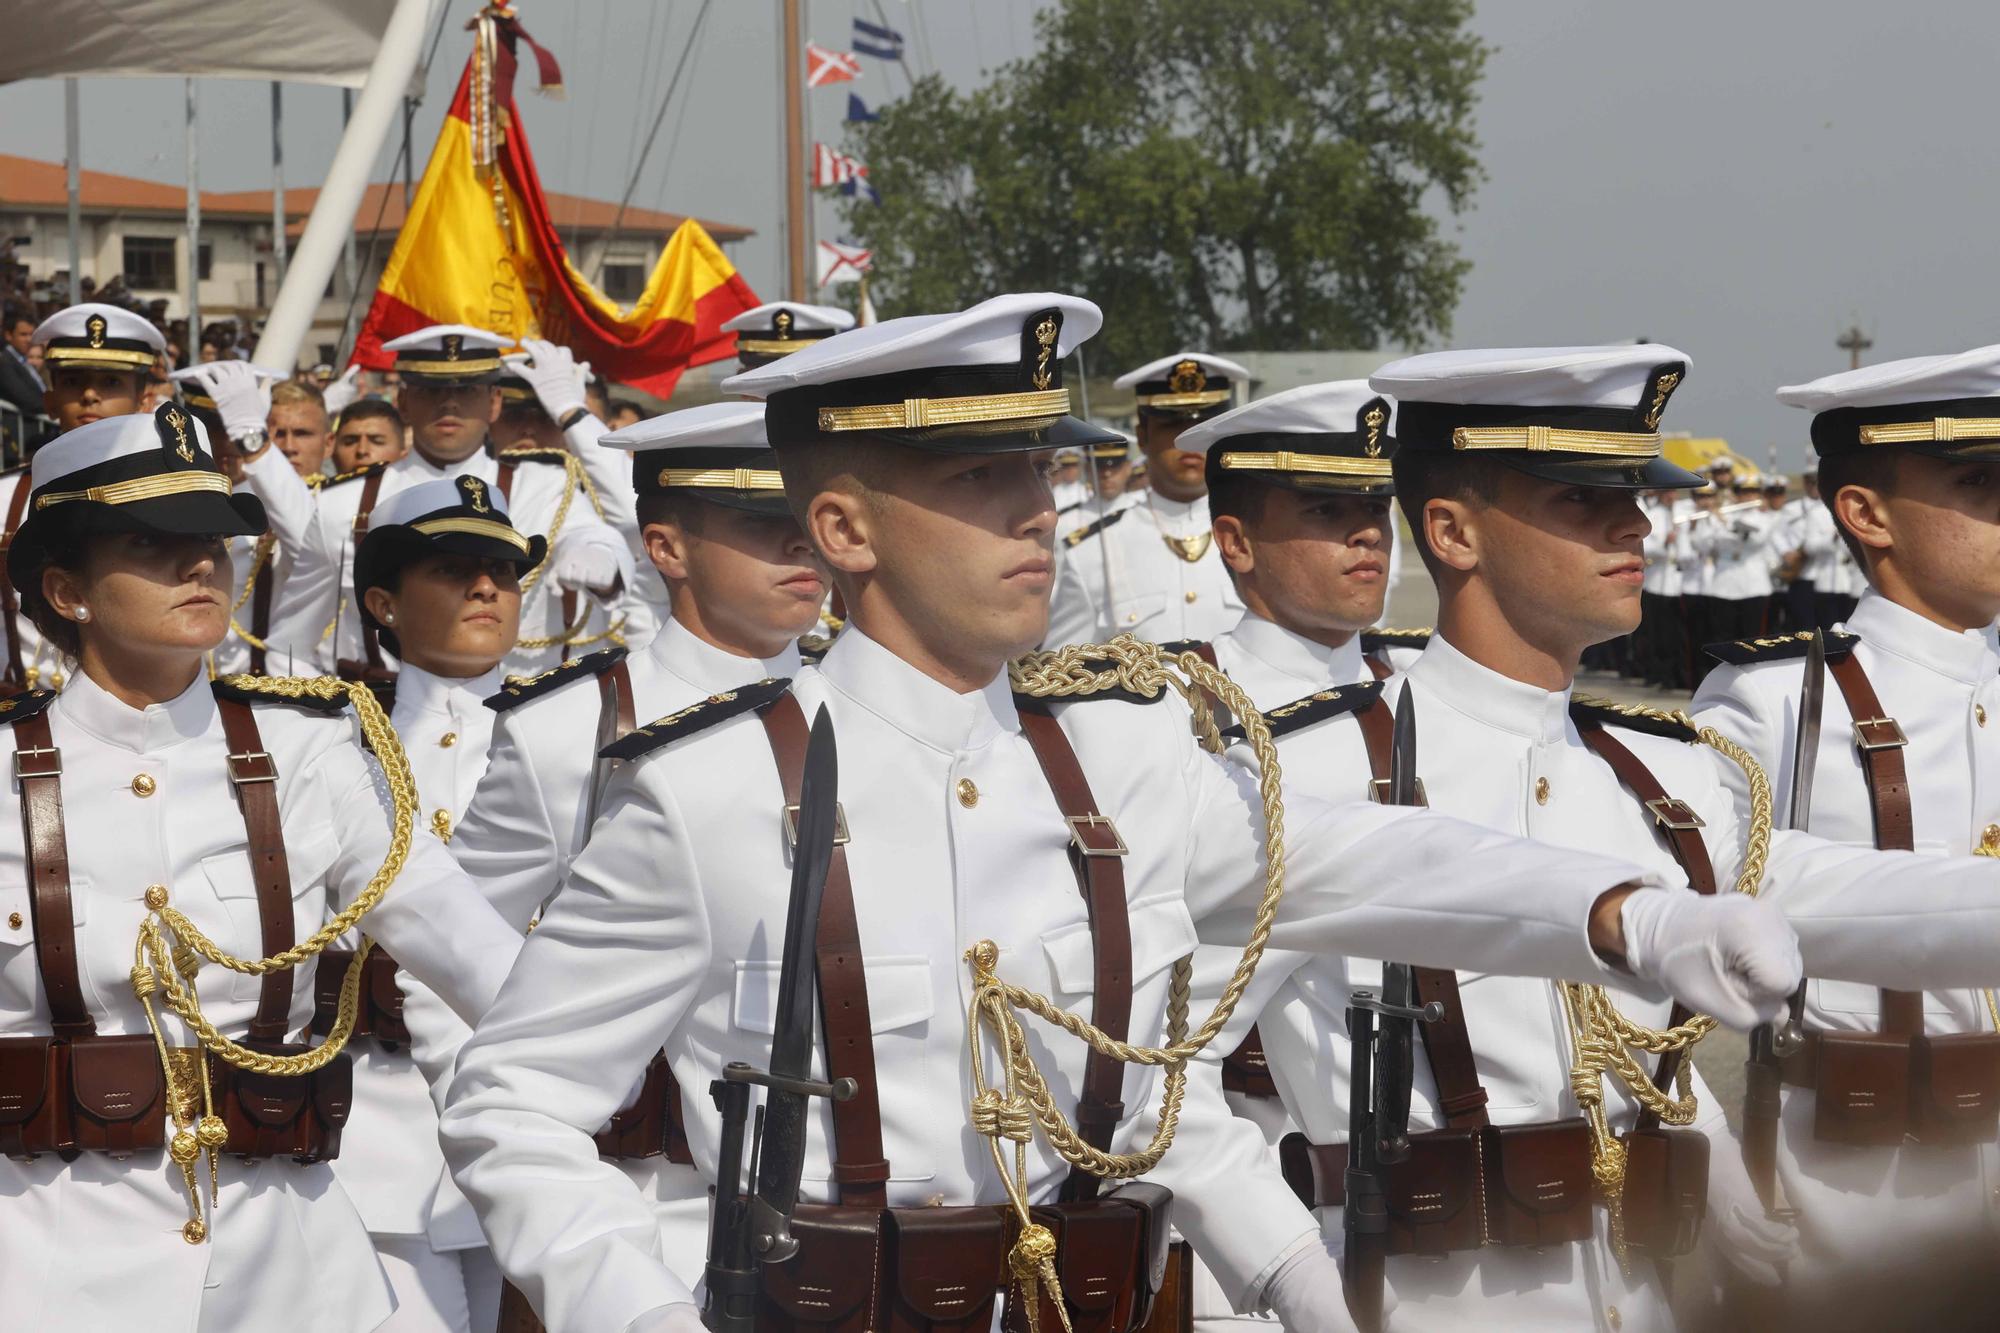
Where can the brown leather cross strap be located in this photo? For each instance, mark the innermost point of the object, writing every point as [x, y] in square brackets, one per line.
[860, 1170]
[1461, 1098]
[16, 673]
[254, 775]
[503, 481]
[38, 767]
[266, 574]
[1377, 667]
[1880, 741]
[371, 491]
[1682, 827]
[1096, 854]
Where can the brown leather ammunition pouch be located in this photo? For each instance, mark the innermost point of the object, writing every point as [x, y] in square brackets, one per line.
[831, 1284]
[1246, 1071]
[1157, 1251]
[1434, 1196]
[1666, 1191]
[270, 1115]
[1955, 1088]
[1098, 1258]
[84, 1094]
[1538, 1182]
[651, 1126]
[941, 1269]
[380, 1015]
[1861, 1086]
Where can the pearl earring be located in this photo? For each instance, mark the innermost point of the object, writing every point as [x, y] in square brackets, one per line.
[389, 619]
[82, 614]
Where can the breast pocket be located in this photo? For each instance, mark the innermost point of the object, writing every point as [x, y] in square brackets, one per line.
[1135, 614]
[230, 879]
[900, 1008]
[1162, 934]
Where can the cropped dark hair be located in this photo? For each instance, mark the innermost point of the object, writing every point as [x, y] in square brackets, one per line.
[65, 544]
[1873, 469]
[1423, 477]
[364, 409]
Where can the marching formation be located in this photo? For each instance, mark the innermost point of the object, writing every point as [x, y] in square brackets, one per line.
[883, 852]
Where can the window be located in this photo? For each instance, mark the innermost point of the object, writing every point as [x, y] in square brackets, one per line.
[207, 261]
[149, 263]
[624, 282]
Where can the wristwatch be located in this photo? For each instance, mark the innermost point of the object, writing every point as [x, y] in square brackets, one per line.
[250, 443]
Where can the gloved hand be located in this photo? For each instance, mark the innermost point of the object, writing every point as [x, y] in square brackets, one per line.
[242, 394]
[668, 1319]
[587, 560]
[340, 394]
[552, 373]
[1731, 956]
[1307, 1292]
[1755, 1244]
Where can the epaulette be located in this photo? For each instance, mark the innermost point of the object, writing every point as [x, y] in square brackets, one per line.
[227, 687]
[1375, 640]
[1742, 652]
[1092, 529]
[1586, 709]
[26, 704]
[520, 689]
[695, 717]
[533, 455]
[1070, 508]
[314, 480]
[1314, 708]
[1095, 663]
[365, 470]
[1179, 646]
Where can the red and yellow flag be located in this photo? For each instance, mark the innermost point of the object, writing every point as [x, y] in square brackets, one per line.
[478, 247]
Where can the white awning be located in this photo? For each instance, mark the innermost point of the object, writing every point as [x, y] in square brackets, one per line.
[294, 41]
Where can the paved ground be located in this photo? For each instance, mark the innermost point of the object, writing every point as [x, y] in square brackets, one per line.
[1413, 602]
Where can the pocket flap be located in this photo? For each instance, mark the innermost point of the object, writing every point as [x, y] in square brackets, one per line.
[1099, 1253]
[1156, 1232]
[333, 1090]
[1543, 1168]
[1127, 612]
[1433, 1184]
[1162, 934]
[24, 1078]
[948, 1260]
[834, 1272]
[1863, 1079]
[116, 1078]
[269, 1099]
[1962, 1073]
[899, 994]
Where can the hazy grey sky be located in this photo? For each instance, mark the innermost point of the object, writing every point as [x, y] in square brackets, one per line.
[1740, 179]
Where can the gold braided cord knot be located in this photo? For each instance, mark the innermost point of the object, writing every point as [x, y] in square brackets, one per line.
[1603, 1040]
[260, 557]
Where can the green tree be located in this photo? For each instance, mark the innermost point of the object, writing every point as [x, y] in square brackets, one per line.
[1253, 173]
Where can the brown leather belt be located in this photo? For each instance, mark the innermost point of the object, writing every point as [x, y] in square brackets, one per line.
[15, 677]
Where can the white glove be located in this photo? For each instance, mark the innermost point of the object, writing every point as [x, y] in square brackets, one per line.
[552, 373]
[340, 394]
[668, 1319]
[582, 563]
[1731, 956]
[1307, 1292]
[242, 394]
[1756, 1245]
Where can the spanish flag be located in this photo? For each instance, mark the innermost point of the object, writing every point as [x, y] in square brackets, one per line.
[479, 248]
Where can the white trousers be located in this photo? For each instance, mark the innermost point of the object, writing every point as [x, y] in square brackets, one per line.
[457, 1291]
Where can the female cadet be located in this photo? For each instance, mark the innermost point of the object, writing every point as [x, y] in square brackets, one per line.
[165, 1145]
[438, 578]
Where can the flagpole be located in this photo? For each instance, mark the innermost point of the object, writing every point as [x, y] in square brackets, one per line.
[278, 181]
[193, 348]
[795, 155]
[346, 181]
[73, 178]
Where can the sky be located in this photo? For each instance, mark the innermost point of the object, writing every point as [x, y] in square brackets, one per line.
[1740, 180]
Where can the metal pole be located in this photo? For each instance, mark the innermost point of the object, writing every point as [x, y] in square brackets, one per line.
[346, 181]
[193, 348]
[1103, 505]
[73, 171]
[278, 181]
[409, 161]
[350, 264]
[795, 156]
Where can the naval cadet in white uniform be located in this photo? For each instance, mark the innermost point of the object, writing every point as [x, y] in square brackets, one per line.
[96, 359]
[1900, 1228]
[940, 536]
[449, 400]
[439, 578]
[1150, 569]
[256, 815]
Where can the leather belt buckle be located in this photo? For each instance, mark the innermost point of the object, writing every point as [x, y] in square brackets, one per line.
[41, 761]
[1087, 835]
[1879, 733]
[1378, 791]
[255, 766]
[1675, 814]
[839, 826]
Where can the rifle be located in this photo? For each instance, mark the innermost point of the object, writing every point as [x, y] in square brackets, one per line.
[748, 1231]
[1379, 1032]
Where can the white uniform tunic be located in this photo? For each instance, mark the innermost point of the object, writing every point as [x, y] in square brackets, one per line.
[318, 623]
[1879, 1209]
[529, 821]
[1154, 593]
[663, 934]
[93, 1246]
[288, 502]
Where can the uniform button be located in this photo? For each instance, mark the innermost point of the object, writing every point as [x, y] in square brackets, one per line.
[1131, 617]
[1612, 1317]
[1190, 596]
[446, 741]
[1541, 791]
[968, 793]
[13, 920]
[156, 896]
[441, 824]
[1979, 714]
[143, 785]
[1989, 840]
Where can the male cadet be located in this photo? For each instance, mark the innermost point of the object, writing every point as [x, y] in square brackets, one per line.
[1150, 569]
[96, 360]
[1887, 1143]
[779, 328]
[742, 584]
[448, 399]
[665, 929]
[368, 430]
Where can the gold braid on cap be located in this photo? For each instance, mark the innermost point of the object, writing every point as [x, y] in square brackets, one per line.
[1332, 465]
[1559, 440]
[142, 488]
[1941, 429]
[921, 413]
